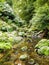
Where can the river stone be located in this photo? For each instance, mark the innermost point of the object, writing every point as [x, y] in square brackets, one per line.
[36, 64]
[23, 57]
[31, 61]
[18, 39]
[24, 48]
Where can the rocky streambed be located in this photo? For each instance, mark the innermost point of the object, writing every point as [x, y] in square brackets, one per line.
[23, 53]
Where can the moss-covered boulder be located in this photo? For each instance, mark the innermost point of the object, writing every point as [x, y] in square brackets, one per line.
[43, 47]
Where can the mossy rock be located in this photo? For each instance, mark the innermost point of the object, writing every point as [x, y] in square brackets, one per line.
[24, 57]
[43, 47]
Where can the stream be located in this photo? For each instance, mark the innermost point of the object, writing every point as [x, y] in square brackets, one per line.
[23, 53]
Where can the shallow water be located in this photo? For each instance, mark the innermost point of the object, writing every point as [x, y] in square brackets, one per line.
[13, 56]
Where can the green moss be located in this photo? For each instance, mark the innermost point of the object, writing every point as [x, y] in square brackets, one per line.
[43, 47]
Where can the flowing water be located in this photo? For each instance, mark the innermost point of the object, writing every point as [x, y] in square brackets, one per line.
[25, 47]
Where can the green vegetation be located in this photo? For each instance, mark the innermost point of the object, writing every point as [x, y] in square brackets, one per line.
[41, 18]
[24, 9]
[24, 28]
[4, 45]
[43, 47]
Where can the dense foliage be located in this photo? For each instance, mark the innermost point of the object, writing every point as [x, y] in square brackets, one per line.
[23, 22]
[25, 9]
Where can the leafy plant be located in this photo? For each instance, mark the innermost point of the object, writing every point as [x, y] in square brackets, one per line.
[25, 12]
[40, 20]
[5, 45]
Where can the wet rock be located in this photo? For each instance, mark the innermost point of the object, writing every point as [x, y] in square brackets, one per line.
[18, 39]
[31, 61]
[24, 48]
[36, 64]
[24, 57]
